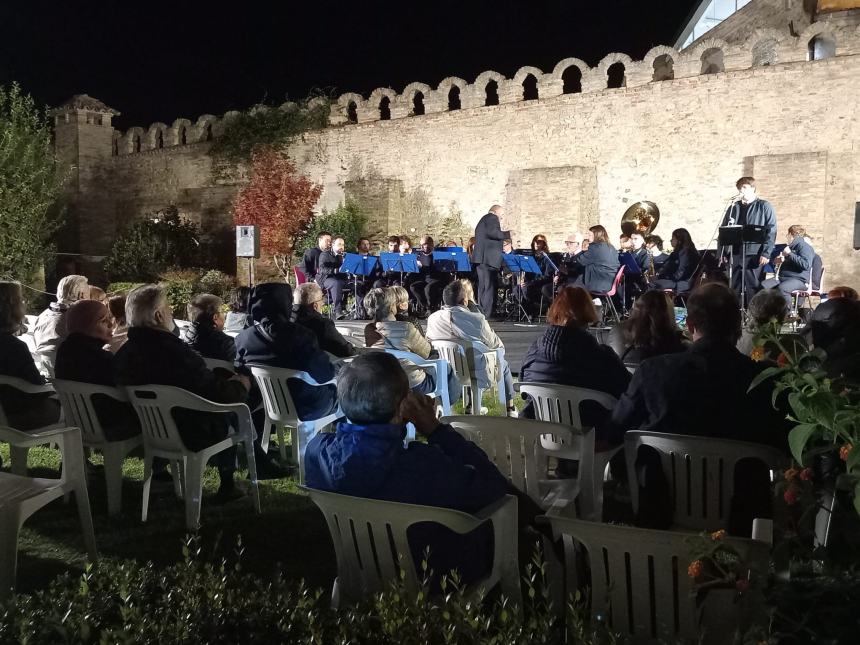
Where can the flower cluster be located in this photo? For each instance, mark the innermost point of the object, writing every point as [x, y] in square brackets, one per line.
[717, 564]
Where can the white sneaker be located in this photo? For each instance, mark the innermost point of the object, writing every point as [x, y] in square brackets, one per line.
[485, 410]
[513, 414]
[597, 302]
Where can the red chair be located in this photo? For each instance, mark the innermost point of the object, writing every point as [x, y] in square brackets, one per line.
[301, 278]
[606, 296]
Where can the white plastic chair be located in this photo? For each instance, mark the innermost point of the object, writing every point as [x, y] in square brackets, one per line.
[214, 363]
[461, 355]
[18, 453]
[639, 582]
[153, 404]
[440, 374]
[20, 497]
[282, 413]
[515, 447]
[699, 471]
[77, 401]
[370, 542]
[561, 404]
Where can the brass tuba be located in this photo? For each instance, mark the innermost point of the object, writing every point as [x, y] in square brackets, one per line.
[642, 217]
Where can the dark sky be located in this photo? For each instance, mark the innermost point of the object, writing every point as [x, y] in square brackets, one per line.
[156, 61]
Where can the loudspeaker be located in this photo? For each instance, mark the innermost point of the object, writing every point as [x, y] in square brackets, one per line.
[247, 242]
[857, 226]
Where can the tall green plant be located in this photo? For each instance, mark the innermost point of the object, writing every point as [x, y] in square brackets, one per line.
[348, 220]
[29, 186]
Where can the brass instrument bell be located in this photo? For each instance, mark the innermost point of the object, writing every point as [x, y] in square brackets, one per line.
[642, 217]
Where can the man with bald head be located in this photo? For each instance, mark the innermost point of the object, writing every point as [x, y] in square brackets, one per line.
[488, 257]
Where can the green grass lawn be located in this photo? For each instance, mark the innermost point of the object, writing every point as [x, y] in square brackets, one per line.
[289, 537]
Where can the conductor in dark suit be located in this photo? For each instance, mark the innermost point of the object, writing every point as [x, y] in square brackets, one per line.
[488, 257]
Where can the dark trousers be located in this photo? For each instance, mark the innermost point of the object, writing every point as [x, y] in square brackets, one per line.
[751, 278]
[787, 285]
[334, 287]
[428, 291]
[488, 281]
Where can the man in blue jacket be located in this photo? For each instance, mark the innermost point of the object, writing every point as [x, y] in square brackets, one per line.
[795, 263]
[365, 457]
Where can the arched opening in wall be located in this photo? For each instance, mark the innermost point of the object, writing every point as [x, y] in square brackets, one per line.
[183, 136]
[571, 80]
[418, 104]
[207, 135]
[615, 76]
[530, 88]
[385, 109]
[712, 61]
[136, 144]
[492, 91]
[454, 98]
[664, 68]
[352, 112]
[764, 52]
[821, 47]
[159, 139]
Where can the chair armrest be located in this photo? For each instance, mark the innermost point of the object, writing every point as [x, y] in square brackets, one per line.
[29, 439]
[31, 388]
[500, 505]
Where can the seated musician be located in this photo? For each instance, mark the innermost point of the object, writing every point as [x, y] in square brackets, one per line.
[639, 251]
[364, 283]
[427, 286]
[795, 263]
[654, 245]
[596, 266]
[329, 277]
[677, 272]
[531, 285]
[387, 278]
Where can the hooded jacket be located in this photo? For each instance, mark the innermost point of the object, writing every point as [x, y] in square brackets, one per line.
[275, 341]
[448, 471]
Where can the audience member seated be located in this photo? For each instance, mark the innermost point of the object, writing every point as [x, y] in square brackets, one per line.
[703, 391]
[205, 335]
[567, 354]
[50, 327]
[275, 341]
[835, 328]
[82, 357]
[154, 355]
[456, 321]
[23, 411]
[116, 305]
[843, 292]
[403, 315]
[238, 314]
[98, 294]
[651, 329]
[389, 333]
[766, 308]
[366, 457]
[677, 272]
[307, 312]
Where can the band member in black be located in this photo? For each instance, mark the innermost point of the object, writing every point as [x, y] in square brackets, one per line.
[428, 286]
[531, 285]
[487, 256]
[639, 251]
[677, 272]
[749, 209]
[654, 245]
[388, 278]
[567, 266]
[794, 263]
[328, 276]
[364, 283]
[311, 258]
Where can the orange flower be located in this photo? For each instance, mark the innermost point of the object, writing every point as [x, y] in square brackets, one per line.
[742, 585]
[718, 535]
[790, 474]
[695, 569]
[757, 354]
[845, 450]
[781, 360]
[790, 497]
[806, 474]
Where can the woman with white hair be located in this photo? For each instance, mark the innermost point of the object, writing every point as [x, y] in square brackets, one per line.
[50, 327]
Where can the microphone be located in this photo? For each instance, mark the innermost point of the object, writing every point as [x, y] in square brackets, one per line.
[736, 198]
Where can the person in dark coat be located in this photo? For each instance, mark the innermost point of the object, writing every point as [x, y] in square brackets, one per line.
[651, 329]
[275, 341]
[487, 256]
[795, 264]
[597, 265]
[677, 272]
[568, 355]
[82, 357]
[366, 457]
[206, 336]
[749, 210]
[329, 276]
[427, 288]
[306, 311]
[23, 411]
[311, 257]
[153, 355]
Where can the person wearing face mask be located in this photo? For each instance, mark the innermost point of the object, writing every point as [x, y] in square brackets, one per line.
[154, 355]
[82, 357]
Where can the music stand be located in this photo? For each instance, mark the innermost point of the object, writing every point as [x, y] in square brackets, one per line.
[632, 267]
[399, 262]
[357, 265]
[735, 235]
[451, 260]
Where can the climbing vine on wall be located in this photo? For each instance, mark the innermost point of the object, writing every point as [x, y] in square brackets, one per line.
[268, 126]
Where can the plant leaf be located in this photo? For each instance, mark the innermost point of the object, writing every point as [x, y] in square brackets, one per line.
[798, 437]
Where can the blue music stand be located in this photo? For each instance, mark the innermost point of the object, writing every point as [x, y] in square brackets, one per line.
[512, 262]
[399, 262]
[631, 266]
[528, 264]
[450, 248]
[452, 260]
[356, 264]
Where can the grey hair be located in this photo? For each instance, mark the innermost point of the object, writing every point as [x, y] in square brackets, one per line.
[766, 305]
[70, 288]
[401, 295]
[307, 293]
[380, 302]
[142, 303]
[371, 388]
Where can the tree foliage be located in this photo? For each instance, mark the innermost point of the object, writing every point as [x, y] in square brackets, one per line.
[152, 245]
[279, 200]
[347, 220]
[29, 186]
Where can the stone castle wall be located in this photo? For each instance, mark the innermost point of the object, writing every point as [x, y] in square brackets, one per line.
[561, 162]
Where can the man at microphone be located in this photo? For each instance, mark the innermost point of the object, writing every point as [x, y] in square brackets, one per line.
[748, 259]
[487, 255]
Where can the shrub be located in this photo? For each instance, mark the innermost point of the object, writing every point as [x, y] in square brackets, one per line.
[217, 283]
[114, 288]
[180, 286]
[348, 220]
[198, 602]
[151, 245]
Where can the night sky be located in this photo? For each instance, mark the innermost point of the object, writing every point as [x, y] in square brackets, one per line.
[156, 61]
